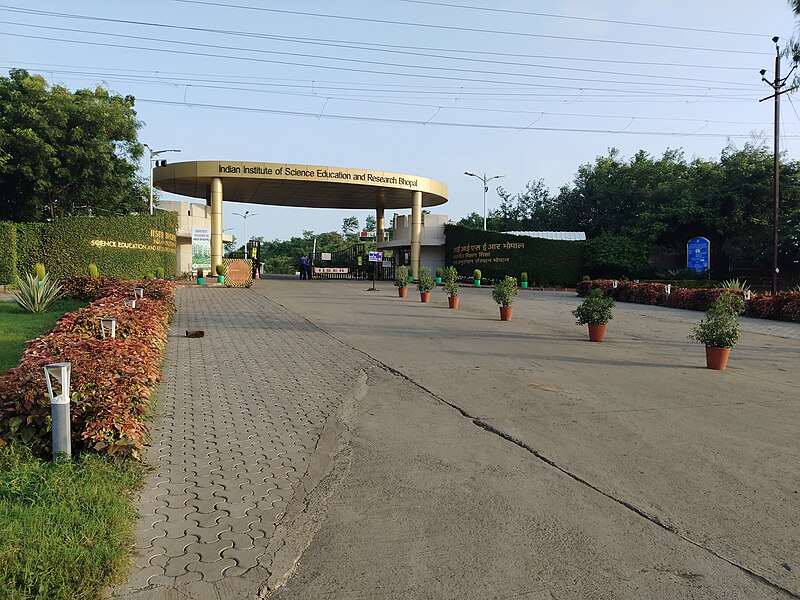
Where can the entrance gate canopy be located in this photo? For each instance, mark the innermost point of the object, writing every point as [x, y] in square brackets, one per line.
[309, 186]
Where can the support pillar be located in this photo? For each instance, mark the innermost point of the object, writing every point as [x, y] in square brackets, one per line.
[216, 224]
[416, 232]
[380, 227]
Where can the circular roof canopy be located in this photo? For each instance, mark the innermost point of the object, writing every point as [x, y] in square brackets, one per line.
[308, 186]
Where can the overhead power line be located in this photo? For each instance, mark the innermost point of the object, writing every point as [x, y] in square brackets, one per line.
[589, 19]
[395, 48]
[412, 66]
[425, 123]
[463, 29]
[638, 90]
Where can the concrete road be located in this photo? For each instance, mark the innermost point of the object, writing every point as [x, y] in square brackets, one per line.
[517, 460]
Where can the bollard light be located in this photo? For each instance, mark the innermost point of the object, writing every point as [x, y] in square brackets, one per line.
[59, 374]
[668, 288]
[108, 327]
[130, 303]
[138, 292]
[614, 284]
[747, 295]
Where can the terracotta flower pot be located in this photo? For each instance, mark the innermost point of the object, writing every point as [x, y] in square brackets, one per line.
[505, 313]
[717, 358]
[452, 301]
[597, 333]
[401, 291]
[424, 296]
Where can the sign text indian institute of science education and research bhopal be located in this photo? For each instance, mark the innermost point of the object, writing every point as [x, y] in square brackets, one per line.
[317, 173]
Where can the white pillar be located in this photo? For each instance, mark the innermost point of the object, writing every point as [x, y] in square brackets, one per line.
[216, 224]
[416, 232]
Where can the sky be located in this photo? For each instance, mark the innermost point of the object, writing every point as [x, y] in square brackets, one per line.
[526, 90]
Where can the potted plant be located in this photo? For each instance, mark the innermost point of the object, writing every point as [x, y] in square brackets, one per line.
[221, 271]
[401, 281]
[450, 286]
[503, 293]
[523, 279]
[438, 275]
[200, 279]
[476, 275]
[719, 331]
[425, 284]
[595, 311]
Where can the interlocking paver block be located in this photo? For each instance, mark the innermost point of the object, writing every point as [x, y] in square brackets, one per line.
[230, 447]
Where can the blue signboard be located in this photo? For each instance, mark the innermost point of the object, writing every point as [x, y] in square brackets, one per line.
[375, 256]
[698, 254]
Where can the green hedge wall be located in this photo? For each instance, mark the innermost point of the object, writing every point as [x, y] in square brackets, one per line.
[8, 252]
[130, 247]
[547, 262]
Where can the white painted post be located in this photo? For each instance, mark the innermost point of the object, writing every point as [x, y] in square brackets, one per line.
[138, 292]
[59, 407]
[109, 324]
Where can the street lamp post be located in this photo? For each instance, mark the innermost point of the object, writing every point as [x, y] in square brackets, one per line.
[485, 180]
[153, 154]
[246, 214]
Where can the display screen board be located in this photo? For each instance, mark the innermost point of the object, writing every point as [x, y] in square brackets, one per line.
[201, 248]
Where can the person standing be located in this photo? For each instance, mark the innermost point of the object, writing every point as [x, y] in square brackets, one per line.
[304, 262]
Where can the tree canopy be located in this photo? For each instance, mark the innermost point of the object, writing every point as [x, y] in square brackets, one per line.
[63, 153]
[663, 202]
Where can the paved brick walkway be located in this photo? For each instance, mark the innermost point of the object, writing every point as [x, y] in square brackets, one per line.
[241, 412]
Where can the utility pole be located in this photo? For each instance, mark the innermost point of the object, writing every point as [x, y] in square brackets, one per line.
[776, 85]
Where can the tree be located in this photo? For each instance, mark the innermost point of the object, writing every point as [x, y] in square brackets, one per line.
[370, 224]
[350, 225]
[473, 220]
[63, 153]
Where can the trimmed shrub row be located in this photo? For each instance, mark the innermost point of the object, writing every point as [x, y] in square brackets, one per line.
[784, 306]
[112, 379]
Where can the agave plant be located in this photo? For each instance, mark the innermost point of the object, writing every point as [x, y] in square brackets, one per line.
[735, 284]
[35, 295]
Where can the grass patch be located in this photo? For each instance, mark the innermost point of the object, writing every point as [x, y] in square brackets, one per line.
[66, 527]
[18, 326]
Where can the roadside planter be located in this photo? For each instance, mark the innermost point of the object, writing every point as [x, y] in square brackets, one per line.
[476, 276]
[438, 275]
[450, 286]
[595, 311]
[503, 293]
[523, 280]
[401, 281]
[200, 279]
[719, 330]
[221, 271]
[425, 284]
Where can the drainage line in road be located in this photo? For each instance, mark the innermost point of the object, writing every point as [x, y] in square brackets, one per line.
[517, 442]
[652, 518]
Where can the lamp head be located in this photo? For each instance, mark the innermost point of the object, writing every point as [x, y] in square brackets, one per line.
[775, 39]
[763, 72]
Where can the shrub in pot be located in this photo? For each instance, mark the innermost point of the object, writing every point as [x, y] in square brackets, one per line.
[425, 284]
[401, 280]
[719, 330]
[438, 274]
[523, 279]
[450, 286]
[221, 271]
[503, 293]
[200, 279]
[595, 311]
[476, 275]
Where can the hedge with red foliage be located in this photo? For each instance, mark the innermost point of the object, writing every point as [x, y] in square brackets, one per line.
[112, 380]
[784, 306]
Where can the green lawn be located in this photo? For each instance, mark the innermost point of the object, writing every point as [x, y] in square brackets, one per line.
[66, 528]
[18, 325]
